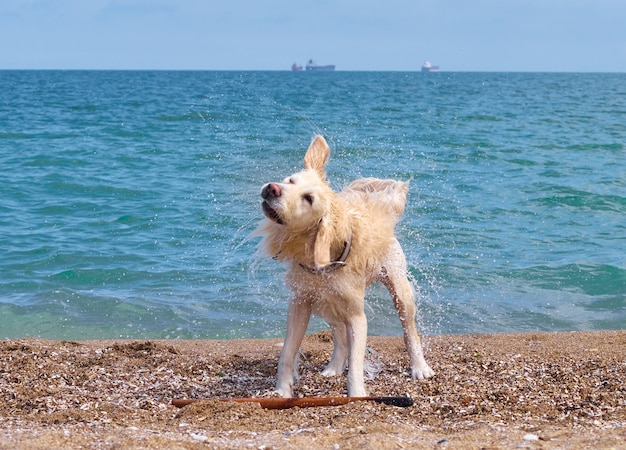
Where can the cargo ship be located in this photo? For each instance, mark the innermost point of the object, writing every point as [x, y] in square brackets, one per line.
[428, 67]
[312, 65]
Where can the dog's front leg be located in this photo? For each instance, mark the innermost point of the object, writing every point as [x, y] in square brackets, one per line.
[356, 331]
[297, 320]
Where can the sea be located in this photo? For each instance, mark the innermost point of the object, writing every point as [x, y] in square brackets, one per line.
[128, 198]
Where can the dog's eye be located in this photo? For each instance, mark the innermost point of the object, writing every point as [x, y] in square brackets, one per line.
[291, 181]
[308, 198]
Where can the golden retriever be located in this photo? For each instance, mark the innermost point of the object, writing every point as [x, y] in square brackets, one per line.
[336, 245]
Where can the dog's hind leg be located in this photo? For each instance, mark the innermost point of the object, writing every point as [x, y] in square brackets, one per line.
[337, 363]
[394, 277]
[299, 314]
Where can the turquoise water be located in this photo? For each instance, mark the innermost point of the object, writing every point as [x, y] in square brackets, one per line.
[127, 198]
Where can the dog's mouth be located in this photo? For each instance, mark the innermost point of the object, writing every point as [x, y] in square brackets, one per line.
[271, 213]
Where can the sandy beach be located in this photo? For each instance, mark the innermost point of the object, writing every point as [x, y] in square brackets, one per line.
[535, 390]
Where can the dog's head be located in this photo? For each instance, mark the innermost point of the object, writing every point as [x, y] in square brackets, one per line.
[303, 203]
[299, 201]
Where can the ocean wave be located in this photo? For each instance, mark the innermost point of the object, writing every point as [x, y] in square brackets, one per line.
[576, 198]
[597, 280]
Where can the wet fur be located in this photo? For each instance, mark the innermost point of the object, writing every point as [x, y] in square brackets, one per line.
[308, 225]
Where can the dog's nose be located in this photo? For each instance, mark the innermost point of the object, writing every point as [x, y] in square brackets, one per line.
[271, 190]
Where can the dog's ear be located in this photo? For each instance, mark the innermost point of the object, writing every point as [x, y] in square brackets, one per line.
[321, 245]
[317, 156]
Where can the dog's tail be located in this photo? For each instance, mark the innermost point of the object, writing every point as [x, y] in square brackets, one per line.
[391, 193]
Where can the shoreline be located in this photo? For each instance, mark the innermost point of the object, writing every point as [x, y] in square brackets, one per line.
[536, 390]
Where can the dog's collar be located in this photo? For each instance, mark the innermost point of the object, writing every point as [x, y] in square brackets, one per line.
[333, 265]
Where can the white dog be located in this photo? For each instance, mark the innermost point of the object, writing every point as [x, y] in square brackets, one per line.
[337, 244]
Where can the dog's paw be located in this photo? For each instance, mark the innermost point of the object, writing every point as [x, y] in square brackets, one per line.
[268, 394]
[334, 368]
[331, 371]
[422, 372]
[360, 392]
[283, 392]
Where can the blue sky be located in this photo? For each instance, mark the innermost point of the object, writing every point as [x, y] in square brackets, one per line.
[466, 35]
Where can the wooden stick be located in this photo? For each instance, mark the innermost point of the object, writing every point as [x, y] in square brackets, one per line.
[285, 403]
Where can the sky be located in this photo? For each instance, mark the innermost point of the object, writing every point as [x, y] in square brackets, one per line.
[382, 35]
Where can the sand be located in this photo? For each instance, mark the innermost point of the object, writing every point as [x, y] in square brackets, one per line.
[537, 390]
